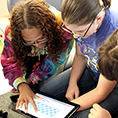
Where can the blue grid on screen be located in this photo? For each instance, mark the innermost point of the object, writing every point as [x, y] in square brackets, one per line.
[45, 109]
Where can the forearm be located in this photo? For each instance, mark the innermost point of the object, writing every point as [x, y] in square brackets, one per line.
[96, 95]
[78, 67]
[88, 99]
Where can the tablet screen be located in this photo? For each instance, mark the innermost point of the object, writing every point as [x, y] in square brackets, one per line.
[51, 108]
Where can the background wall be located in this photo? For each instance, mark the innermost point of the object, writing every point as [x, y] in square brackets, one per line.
[56, 3]
[3, 8]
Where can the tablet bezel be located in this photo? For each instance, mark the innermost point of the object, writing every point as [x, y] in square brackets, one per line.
[76, 106]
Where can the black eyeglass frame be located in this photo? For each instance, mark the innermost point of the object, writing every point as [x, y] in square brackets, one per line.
[23, 41]
[78, 34]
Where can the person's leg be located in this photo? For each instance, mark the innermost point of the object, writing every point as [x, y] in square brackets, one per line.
[87, 81]
[34, 87]
[111, 102]
[57, 86]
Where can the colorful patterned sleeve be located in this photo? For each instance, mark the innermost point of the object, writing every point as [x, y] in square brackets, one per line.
[10, 70]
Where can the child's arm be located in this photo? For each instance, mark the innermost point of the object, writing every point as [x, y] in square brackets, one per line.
[10, 70]
[96, 95]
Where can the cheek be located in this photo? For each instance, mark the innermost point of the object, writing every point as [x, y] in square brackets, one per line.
[91, 31]
[89, 34]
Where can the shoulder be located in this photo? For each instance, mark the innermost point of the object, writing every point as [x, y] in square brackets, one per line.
[112, 17]
[110, 22]
[7, 38]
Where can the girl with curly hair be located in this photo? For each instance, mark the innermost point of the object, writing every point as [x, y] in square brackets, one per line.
[35, 48]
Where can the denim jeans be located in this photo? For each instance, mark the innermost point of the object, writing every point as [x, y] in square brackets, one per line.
[58, 85]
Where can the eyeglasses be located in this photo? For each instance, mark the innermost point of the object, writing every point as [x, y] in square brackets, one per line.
[29, 44]
[67, 30]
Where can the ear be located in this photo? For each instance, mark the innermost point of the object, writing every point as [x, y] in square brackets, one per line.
[100, 17]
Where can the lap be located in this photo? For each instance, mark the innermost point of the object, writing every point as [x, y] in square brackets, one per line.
[87, 81]
[57, 86]
[110, 103]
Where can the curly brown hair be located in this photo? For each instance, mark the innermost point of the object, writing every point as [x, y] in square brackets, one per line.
[108, 57]
[35, 14]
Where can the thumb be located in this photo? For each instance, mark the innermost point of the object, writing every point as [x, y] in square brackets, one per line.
[97, 106]
[38, 97]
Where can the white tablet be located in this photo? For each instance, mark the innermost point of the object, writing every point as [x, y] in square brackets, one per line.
[51, 108]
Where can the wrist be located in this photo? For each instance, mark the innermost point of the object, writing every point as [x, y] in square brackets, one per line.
[72, 82]
[22, 86]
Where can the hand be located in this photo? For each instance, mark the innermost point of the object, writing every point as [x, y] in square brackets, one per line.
[98, 112]
[72, 92]
[26, 96]
[15, 91]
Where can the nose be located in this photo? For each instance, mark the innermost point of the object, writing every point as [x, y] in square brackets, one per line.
[75, 36]
[36, 44]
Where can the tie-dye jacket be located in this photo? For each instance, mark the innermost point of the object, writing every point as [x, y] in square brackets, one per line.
[47, 68]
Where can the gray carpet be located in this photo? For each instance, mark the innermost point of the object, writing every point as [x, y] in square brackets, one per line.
[7, 105]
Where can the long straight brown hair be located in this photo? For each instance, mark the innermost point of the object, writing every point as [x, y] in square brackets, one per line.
[82, 12]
